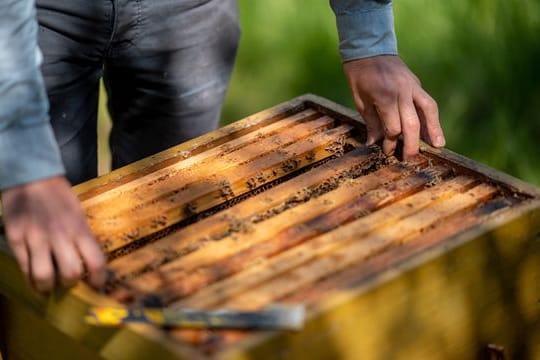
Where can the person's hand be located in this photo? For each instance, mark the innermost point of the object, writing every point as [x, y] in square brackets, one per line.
[48, 235]
[391, 100]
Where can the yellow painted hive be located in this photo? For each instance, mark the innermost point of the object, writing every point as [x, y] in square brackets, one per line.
[437, 258]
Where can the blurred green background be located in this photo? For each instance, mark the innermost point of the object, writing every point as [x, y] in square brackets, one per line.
[478, 58]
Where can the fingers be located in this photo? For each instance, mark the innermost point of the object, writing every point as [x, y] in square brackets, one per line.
[374, 127]
[76, 252]
[93, 259]
[38, 269]
[411, 127]
[72, 254]
[371, 118]
[429, 115]
[406, 116]
[68, 262]
[18, 246]
[41, 266]
[73, 258]
[388, 113]
[381, 122]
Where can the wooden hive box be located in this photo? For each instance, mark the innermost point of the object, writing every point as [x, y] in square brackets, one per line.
[438, 258]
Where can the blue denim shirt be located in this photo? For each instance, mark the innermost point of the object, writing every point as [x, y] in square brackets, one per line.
[365, 28]
[28, 150]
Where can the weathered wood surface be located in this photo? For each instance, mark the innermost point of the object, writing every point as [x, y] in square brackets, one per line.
[319, 247]
[221, 258]
[233, 220]
[288, 205]
[208, 188]
[464, 296]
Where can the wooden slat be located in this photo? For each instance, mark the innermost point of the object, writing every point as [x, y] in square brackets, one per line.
[190, 148]
[373, 243]
[219, 159]
[205, 194]
[265, 205]
[480, 170]
[197, 269]
[432, 236]
[281, 221]
[320, 246]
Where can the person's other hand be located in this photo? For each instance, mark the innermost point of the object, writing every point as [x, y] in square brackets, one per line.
[391, 100]
[49, 236]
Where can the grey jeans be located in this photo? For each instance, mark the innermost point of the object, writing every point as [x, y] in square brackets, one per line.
[166, 65]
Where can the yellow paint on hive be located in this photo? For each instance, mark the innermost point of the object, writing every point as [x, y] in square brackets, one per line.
[107, 316]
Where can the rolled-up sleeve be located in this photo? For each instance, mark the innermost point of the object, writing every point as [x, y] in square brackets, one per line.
[28, 150]
[365, 28]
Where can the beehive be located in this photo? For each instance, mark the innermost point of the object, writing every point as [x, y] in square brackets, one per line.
[436, 258]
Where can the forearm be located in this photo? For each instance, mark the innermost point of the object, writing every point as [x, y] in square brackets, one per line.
[365, 27]
[28, 150]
